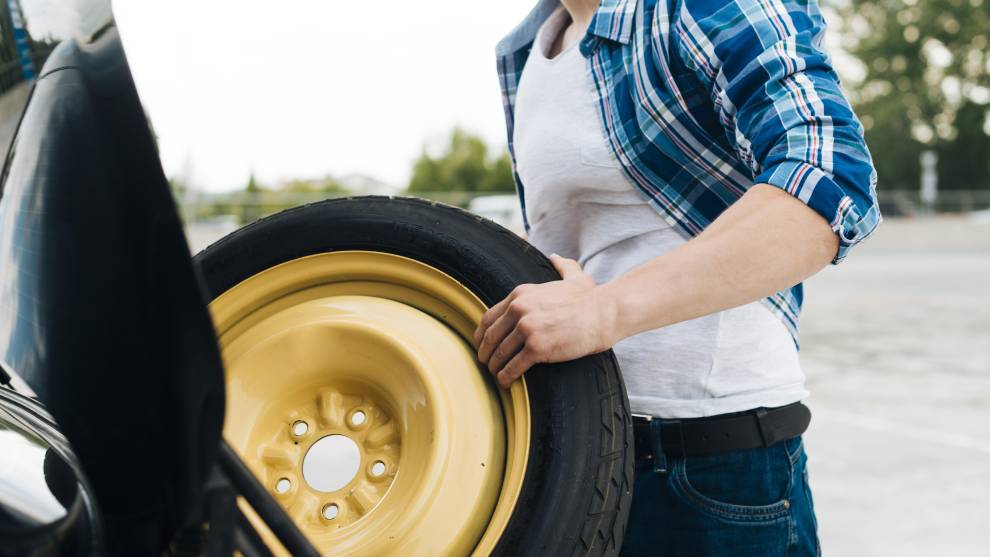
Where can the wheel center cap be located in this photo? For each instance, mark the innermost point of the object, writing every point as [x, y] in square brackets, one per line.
[331, 463]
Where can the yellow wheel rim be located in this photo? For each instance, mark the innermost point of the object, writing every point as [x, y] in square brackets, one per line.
[372, 351]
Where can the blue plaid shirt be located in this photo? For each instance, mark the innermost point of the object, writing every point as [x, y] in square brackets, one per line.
[702, 99]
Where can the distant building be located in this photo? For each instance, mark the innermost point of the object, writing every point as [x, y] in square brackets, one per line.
[21, 56]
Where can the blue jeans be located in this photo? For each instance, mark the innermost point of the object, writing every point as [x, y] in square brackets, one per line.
[749, 503]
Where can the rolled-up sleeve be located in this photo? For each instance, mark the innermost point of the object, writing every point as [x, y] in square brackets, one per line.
[781, 105]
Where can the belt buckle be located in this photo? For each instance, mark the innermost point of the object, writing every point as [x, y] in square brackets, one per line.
[656, 454]
[642, 417]
[643, 438]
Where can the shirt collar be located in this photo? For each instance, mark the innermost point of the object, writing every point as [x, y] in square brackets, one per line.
[612, 21]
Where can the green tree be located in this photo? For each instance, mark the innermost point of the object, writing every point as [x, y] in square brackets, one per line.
[179, 191]
[251, 203]
[500, 177]
[926, 86]
[326, 185]
[464, 166]
[178, 187]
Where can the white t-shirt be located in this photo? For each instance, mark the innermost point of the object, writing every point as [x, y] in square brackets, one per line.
[580, 205]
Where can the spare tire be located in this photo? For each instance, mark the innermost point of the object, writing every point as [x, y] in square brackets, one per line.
[351, 320]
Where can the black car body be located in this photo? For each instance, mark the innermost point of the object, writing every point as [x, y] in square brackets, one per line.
[101, 315]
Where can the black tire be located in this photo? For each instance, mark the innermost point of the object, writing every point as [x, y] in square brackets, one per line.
[576, 495]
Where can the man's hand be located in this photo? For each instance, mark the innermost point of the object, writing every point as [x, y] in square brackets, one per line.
[544, 323]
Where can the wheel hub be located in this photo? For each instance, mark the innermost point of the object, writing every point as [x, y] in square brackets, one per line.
[354, 396]
[344, 450]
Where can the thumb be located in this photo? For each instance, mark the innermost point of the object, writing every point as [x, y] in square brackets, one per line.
[568, 268]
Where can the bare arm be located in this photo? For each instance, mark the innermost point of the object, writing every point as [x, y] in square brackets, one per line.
[765, 242]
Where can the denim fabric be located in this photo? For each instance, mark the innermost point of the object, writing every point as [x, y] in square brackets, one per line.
[750, 503]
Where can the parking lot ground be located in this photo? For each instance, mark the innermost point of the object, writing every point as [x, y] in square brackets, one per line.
[896, 346]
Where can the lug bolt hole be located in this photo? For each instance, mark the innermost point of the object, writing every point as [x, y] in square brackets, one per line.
[283, 485]
[358, 418]
[377, 469]
[300, 428]
[331, 511]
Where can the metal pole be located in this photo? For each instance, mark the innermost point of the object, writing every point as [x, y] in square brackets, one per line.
[929, 180]
[267, 508]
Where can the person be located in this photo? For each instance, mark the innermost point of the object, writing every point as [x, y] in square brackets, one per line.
[686, 163]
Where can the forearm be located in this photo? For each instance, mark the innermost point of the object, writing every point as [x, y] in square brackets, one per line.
[766, 242]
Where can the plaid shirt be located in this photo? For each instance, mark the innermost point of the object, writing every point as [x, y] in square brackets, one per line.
[702, 99]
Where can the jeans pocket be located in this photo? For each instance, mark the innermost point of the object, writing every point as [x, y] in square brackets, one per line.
[743, 486]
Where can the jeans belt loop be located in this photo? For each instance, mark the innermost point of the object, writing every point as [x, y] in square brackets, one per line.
[659, 458]
[681, 450]
[766, 436]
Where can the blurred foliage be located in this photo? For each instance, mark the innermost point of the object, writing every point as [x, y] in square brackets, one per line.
[255, 200]
[258, 201]
[251, 211]
[179, 189]
[926, 86]
[464, 166]
[326, 185]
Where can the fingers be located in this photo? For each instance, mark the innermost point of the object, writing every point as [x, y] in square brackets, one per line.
[504, 352]
[518, 365]
[502, 335]
[490, 317]
[569, 269]
[494, 336]
[508, 305]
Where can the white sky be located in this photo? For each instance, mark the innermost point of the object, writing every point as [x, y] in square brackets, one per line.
[305, 88]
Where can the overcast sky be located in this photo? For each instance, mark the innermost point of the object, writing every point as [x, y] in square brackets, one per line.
[308, 88]
[305, 88]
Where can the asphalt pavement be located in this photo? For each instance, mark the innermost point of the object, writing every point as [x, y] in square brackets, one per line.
[896, 346]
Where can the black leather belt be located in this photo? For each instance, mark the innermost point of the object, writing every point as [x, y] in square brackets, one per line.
[762, 427]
